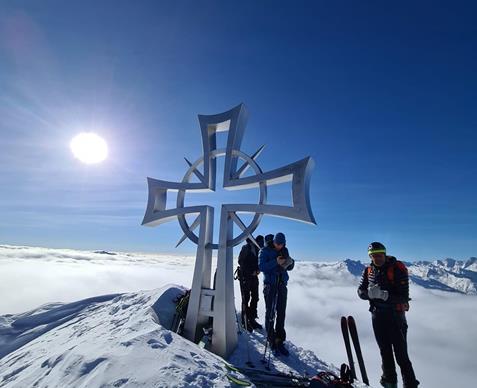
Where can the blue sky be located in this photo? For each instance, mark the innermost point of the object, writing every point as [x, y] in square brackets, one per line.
[382, 96]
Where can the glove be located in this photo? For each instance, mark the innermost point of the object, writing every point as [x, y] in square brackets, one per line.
[280, 260]
[375, 292]
[284, 262]
[288, 261]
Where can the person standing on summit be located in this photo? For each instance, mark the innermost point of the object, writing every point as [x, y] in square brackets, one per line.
[385, 283]
[274, 263]
[248, 276]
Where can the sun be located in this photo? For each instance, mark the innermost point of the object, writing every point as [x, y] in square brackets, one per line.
[89, 148]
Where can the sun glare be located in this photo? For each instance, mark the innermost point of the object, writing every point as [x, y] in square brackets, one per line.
[89, 148]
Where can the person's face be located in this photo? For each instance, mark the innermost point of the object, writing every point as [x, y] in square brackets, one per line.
[378, 259]
[278, 246]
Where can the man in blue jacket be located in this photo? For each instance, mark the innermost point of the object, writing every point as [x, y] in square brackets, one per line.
[274, 263]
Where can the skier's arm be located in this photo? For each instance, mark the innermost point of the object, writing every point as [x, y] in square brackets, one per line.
[264, 264]
[400, 293]
[363, 285]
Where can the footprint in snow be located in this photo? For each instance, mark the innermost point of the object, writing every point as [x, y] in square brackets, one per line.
[155, 344]
[120, 382]
[167, 337]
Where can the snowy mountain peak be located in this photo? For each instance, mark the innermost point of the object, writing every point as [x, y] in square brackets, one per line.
[449, 263]
[355, 267]
[445, 275]
[471, 264]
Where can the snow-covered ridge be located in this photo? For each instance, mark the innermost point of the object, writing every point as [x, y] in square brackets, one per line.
[449, 275]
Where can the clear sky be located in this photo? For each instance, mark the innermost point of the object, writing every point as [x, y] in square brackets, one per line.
[383, 97]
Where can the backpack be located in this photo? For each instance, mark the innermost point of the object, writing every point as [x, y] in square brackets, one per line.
[390, 272]
[401, 307]
[328, 379]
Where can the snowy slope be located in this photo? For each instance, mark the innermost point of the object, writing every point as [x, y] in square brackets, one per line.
[119, 340]
[108, 341]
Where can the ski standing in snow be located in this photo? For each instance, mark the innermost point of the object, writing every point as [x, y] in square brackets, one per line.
[348, 328]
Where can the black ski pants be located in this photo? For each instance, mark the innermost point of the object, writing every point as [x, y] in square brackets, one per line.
[390, 330]
[249, 291]
[276, 305]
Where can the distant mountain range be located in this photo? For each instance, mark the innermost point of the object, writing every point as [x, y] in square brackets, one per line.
[446, 275]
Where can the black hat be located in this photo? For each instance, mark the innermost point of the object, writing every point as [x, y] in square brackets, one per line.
[280, 238]
[376, 247]
[268, 237]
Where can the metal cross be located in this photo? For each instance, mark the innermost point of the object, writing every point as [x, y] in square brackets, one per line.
[217, 300]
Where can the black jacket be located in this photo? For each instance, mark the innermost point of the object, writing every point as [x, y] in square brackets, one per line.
[248, 259]
[392, 277]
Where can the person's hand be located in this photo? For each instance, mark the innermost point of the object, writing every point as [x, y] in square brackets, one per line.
[375, 292]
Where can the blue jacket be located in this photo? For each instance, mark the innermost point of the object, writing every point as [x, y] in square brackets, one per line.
[267, 262]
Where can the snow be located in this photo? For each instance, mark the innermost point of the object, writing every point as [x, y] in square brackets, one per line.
[449, 275]
[108, 341]
[121, 340]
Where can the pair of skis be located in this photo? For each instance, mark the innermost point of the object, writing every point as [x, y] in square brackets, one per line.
[348, 328]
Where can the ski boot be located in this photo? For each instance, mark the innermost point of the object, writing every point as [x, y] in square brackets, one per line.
[387, 384]
[411, 385]
[255, 325]
[280, 349]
